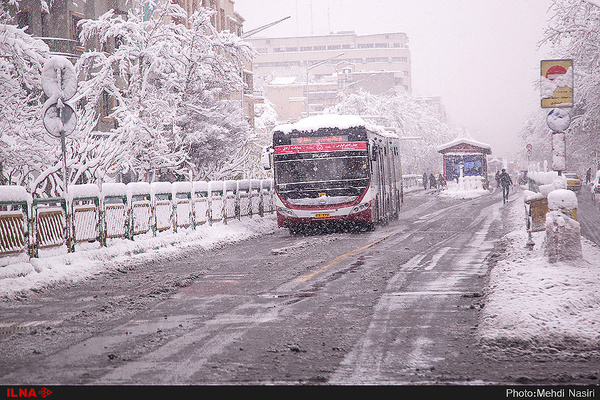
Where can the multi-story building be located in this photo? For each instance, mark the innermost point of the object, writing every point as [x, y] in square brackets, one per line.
[324, 67]
[58, 28]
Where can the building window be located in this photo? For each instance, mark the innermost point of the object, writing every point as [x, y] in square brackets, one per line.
[107, 104]
[23, 21]
[75, 28]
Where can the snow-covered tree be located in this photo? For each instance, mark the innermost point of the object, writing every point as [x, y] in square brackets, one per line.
[411, 119]
[535, 131]
[574, 33]
[24, 146]
[169, 77]
[265, 119]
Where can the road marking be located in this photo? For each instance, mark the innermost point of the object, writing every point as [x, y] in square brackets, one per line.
[339, 259]
[436, 258]
[22, 326]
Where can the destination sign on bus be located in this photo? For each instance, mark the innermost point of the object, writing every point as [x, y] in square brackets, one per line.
[320, 139]
[319, 147]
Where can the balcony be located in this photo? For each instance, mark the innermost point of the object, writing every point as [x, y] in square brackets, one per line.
[64, 47]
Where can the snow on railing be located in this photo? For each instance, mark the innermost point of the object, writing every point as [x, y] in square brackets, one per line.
[116, 210]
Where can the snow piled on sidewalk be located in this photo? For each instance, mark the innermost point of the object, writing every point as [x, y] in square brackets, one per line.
[89, 258]
[541, 306]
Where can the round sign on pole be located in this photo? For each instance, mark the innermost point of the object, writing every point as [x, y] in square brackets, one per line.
[59, 79]
[58, 120]
[558, 120]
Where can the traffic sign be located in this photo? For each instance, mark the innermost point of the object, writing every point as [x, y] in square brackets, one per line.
[60, 120]
[558, 120]
[59, 79]
[556, 83]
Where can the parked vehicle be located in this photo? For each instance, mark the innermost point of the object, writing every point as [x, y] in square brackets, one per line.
[573, 181]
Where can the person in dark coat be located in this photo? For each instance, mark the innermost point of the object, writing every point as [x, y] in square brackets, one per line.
[505, 181]
[588, 176]
[432, 183]
[442, 181]
[425, 180]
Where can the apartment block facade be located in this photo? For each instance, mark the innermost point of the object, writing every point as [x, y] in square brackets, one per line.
[320, 69]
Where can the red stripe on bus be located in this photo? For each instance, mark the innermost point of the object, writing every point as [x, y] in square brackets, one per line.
[316, 147]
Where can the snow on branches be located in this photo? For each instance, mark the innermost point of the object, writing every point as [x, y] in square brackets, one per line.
[170, 89]
[411, 118]
[573, 33]
[24, 147]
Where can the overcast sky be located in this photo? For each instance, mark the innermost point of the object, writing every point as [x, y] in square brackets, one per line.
[481, 56]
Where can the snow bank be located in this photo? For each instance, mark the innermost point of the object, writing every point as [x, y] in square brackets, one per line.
[540, 306]
[58, 265]
[182, 187]
[468, 187]
[82, 191]
[562, 199]
[543, 178]
[528, 196]
[200, 186]
[138, 189]
[114, 189]
[548, 181]
[14, 193]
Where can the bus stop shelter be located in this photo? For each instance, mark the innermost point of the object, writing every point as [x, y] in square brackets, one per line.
[465, 153]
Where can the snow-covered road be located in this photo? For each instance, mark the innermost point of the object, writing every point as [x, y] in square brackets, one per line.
[529, 302]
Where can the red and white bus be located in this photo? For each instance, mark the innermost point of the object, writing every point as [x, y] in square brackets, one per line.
[335, 168]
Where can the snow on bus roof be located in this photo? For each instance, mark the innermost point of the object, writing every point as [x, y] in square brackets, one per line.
[322, 121]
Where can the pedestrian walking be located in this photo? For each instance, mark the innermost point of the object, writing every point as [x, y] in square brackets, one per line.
[425, 180]
[432, 183]
[498, 179]
[505, 181]
[442, 181]
[588, 176]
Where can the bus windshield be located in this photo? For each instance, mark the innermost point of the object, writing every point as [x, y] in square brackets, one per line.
[321, 169]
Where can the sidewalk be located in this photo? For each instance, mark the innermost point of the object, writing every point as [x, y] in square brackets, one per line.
[531, 303]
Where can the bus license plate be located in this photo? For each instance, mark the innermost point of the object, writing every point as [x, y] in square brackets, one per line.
[323, 215]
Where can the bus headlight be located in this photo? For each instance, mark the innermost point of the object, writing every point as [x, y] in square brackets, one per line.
[286, 212]
[361, 207]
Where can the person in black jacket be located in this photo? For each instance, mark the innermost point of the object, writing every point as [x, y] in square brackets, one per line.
[432, 182]
[505, 181]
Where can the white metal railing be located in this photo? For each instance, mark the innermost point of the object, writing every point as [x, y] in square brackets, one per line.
[116, 210]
